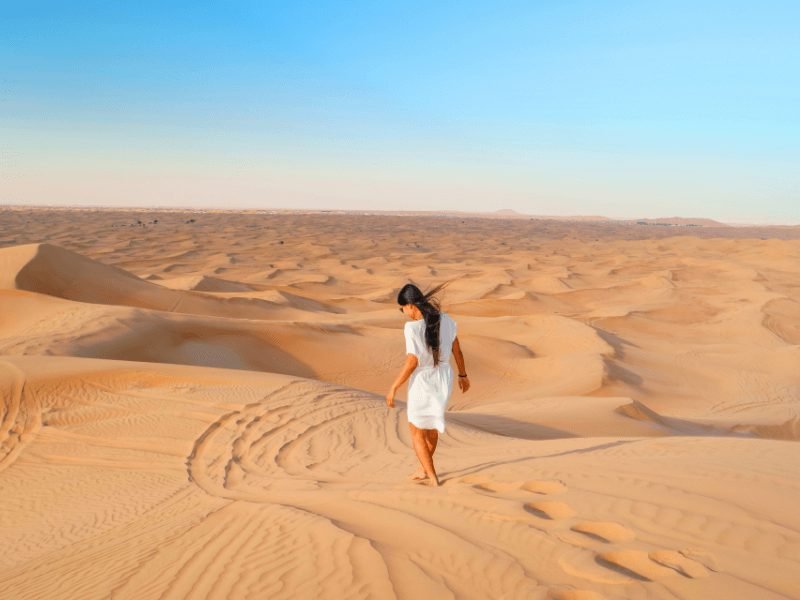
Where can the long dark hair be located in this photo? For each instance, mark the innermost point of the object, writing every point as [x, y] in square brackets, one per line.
[430, 308]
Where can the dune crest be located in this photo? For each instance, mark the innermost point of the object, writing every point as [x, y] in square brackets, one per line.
[55, 271]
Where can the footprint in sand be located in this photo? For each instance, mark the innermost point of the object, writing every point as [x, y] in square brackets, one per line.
[544, 487]
[495, 487]
[652, 566]
[605, 531]
[623, 565]
[627, 564]
[549, 509]
[680, 563]
[635, 564]
[706, 559]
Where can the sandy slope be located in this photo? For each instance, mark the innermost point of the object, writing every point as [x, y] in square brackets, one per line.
[632, 431]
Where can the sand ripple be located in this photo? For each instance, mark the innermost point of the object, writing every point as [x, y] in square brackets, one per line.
[194, 408]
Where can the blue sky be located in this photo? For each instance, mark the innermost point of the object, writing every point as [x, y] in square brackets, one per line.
[624, 109]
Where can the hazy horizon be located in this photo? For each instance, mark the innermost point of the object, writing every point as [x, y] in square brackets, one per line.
[576, 109]
[301, 209]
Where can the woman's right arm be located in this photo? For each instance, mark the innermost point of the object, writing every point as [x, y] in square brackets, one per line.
[463, 382]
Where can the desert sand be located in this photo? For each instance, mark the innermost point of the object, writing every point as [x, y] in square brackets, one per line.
[193, 406]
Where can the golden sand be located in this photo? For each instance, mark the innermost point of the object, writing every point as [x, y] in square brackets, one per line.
[195, 408]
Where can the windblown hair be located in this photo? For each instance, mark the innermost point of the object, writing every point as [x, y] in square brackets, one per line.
[430, 308]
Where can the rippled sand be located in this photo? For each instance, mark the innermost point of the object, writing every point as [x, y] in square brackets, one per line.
[195, 408]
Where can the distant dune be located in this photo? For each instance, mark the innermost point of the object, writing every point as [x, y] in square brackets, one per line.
[136, 214]
[681, 221]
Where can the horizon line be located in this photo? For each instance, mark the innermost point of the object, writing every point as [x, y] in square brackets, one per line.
[509, 214]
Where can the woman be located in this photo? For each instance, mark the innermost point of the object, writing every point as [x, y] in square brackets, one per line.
[430, 339]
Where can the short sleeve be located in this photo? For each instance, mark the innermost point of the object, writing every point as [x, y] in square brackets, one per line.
[449, 329]
[411, 343]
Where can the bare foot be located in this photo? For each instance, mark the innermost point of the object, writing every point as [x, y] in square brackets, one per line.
[419, 476]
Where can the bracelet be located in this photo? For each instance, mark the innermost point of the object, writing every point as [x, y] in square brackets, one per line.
[460, 375]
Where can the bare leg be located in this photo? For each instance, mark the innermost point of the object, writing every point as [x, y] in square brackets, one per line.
[432, 439]
[420, 473]
[419, 438]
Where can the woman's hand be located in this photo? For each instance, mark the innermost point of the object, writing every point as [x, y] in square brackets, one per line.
[463, 384]
[408, 368]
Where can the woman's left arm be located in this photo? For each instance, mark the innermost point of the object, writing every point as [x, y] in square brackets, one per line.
[408, 368]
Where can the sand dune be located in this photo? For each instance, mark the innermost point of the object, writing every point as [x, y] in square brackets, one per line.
[229, 476]
[55, 271]
[782, 317]
[204, 283]
[195, 409]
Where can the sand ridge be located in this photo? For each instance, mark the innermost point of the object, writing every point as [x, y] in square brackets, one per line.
[196, 409]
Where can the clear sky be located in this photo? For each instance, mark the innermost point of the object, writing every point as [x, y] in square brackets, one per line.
[617, 108]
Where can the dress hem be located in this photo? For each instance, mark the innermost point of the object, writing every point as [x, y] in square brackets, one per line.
[439, 429]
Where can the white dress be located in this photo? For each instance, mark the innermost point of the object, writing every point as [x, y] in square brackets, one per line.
[429, 387]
